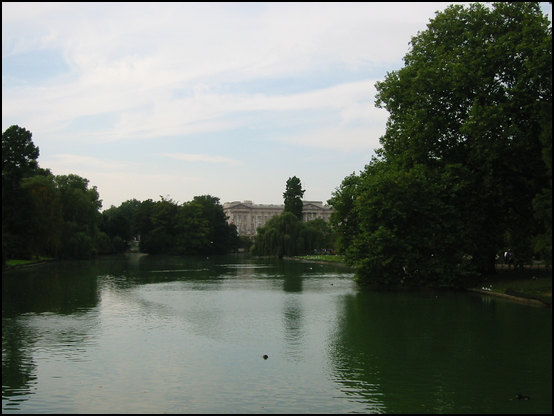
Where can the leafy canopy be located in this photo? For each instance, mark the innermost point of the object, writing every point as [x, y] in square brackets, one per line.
[467, 149]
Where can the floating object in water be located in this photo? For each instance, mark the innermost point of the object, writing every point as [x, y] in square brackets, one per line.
[265, 356]
[520, 396]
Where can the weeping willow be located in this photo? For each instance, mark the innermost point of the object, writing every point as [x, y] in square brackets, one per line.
[286, 235]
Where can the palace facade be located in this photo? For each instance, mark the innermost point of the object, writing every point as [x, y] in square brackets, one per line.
[248, 216]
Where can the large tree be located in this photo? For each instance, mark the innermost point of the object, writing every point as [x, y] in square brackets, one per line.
[19, 160]
[19, 153]
[80, 207]
[472, 92]
[293, 197]
[468, 104]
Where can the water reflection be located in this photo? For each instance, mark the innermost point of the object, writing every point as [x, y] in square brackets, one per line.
[45, 309]
[142, 327]
[293, 327]
[18, 366]
[53, 288]
[438, 353]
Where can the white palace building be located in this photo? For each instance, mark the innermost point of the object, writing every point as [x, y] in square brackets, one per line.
[248, 216]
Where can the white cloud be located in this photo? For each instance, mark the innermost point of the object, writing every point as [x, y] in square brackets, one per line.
[128, 58]
[70, 162]
[296, 73]
[339, 139]
[202, 158]
[156, 114]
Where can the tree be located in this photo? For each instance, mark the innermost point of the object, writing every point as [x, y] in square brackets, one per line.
[344, 219]
[543, 201]
[408, 227]
[467, 113]
[195, 227]
[471, 92]
[19, 160]
[80, 207]
[279, 236]
[222, 236]
[161, 237]
[19, 154]
[317, 235]
[285, 235]
[45, 214]
[293, 197]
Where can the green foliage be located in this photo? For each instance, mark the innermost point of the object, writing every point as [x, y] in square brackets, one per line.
[286, 235]
[407, 227]
[19, 154]
[195, 227]
[59, 216]
[121, 223]
[293, 197]
[44, 215]
[19, 160]
[80, 216]
[466, 151]
[542, 203]
[220, 236]
[78, 245]
[344, 219]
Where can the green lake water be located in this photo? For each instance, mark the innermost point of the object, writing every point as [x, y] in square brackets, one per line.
[146, 334]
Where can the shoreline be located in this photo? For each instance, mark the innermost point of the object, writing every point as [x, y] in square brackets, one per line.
[528, 299]
[520, 299]
[500, 268]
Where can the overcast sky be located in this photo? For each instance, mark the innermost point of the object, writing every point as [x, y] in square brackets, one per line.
[184, 99]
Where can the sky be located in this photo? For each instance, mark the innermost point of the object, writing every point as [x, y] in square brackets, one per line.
[176, 100]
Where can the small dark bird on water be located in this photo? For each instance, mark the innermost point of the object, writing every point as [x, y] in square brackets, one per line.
[265, 356]
[520, 396]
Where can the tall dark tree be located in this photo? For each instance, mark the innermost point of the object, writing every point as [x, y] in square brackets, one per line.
[293, 197]
[19, 160]
[19, 154]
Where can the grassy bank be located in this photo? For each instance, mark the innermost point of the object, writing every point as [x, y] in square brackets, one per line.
[20, 263]
[527, 283]
[327, 258]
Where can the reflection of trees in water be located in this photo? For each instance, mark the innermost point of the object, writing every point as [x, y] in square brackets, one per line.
[355, 365]
[59, 288]
[292, 320]
[18, 368]
[405, 353]
[64, 291]
[68, 336]
[387, 356]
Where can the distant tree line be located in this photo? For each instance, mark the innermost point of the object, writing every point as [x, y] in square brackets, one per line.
[59, 215]
[195, 227]
[465, 168]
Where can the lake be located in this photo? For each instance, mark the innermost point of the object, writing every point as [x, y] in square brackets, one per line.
[148, 334]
